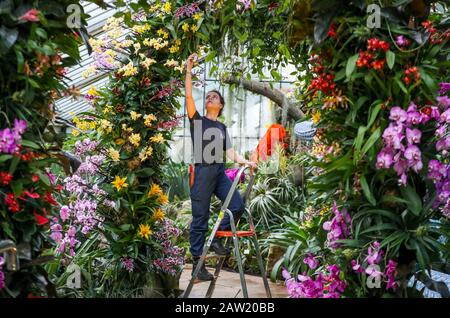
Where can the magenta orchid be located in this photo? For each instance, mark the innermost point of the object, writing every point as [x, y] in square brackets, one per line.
[327, 284]
[338, 227]
[311, 261]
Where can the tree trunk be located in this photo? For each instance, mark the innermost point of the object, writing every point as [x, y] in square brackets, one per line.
[264, 89]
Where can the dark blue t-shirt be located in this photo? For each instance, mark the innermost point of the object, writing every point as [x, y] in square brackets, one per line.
[210, 139]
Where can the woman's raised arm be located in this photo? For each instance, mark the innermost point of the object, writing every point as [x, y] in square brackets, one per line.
[190, 104]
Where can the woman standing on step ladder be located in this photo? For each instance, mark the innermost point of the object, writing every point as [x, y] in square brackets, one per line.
[211, 143]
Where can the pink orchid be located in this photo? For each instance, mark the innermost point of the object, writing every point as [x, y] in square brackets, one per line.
[30, 16]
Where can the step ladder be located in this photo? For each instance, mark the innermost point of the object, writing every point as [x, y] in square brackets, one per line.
[234, 234]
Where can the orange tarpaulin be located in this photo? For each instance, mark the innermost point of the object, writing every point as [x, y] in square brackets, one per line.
[274, 135]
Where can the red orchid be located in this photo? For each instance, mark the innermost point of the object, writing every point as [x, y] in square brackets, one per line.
[332, 32]
[411, 74]
[272, 6]
[364, 59]
[378, 64]
[12, 203]
[5, 178]
[374, 44]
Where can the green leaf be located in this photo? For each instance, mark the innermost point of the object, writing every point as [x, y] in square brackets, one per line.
[421, 254]
[276, 76]
[401, 85]
[393, 237]
[213, 69]
[391, 215]
[359, 137]
[374, 113]
[8, 229]
[20, 60]
[380, 227]
[276, 269]
[277, 34]
[33, 83]
[350, 243]
[41, 33]
[30, 144]
[351, 64]
[44, 178]
[243, 37]
[23, 216]
[125, 227]
[393, 199]
[414, 202]
[372, 139]
[358, 143]
[366, 190]
[146, 172]
[283, 49]
[15, 161]
[211, 55]
[428, 80]
[3, 158]
[390, 59]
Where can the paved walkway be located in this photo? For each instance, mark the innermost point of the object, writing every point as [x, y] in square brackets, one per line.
[228, 285]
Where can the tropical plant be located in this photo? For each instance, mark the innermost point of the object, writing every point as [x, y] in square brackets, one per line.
[36, 46]
[177, 182]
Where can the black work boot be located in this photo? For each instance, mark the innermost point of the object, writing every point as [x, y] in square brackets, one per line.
[203, 274]
[218, 248]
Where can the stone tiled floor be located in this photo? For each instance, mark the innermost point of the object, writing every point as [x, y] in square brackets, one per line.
[228, 285]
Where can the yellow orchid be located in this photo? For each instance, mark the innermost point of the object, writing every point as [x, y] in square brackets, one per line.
[185, 27]
[316, 117]
[167, 7]
[148, 120]
[158, 138]
[135, 139]
[114, 154]
[134, 115]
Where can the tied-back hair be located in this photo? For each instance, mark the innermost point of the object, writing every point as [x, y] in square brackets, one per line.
[222, 100]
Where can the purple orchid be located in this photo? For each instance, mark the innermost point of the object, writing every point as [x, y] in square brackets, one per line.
[391, 267]
[444, 88]
[384, 160]
[357, 267]
[338, 227]
[10, 138]
[311, 261]
[444, 101]
[397, 114]
[413, 135]
[374, 253]
[413, 153]
[401, 41]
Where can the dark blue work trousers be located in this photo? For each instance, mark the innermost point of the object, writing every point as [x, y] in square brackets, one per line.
[209, 179]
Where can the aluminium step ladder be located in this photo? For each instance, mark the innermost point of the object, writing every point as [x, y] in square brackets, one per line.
[234, 234]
